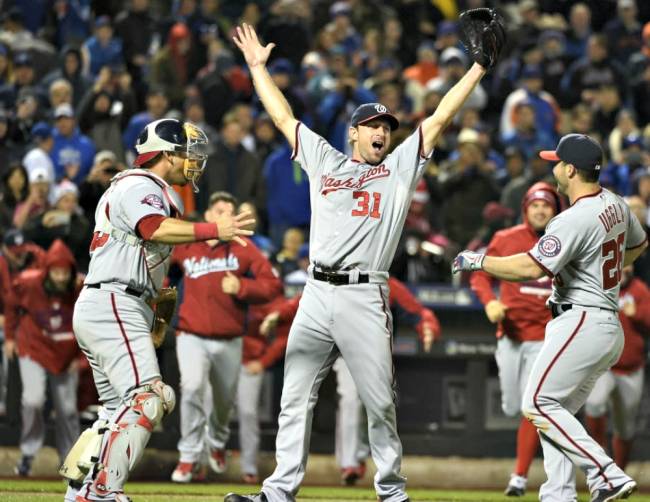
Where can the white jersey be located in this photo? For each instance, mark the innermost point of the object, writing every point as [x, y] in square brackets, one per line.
[117, 253]
[357, 210]
[584, 248]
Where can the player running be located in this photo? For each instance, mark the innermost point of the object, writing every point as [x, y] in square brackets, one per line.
[358, 209]
[137, 222]
[521, 316]
[584, 250]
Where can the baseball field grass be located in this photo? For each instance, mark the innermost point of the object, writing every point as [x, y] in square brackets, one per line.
[12, 490]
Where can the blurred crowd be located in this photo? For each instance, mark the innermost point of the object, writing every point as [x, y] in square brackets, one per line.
[80, 78]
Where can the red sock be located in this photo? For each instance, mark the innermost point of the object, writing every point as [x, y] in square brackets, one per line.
[597, 427]
[622, 449]
[527, 444]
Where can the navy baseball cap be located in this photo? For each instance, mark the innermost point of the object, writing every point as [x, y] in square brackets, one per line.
[369, 111]
[41, 130]
[577, 149]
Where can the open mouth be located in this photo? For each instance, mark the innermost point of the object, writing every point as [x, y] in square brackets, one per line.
[377, 145]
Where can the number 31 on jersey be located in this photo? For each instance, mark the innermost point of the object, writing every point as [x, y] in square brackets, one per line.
[368, 204]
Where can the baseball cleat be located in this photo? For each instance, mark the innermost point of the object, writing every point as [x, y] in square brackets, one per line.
[217, 460]
[188, 471]
[617, 493]
[516, 486]
[350, 475]
[24, 467]
[233, 497]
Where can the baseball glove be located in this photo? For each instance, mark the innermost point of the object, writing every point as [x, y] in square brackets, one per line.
[163, 307]
[483, 34]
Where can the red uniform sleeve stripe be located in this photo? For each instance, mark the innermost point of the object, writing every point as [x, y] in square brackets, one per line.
[147, 225]
[421, 145]
[638, 245]
[296, 145]
[546, 271]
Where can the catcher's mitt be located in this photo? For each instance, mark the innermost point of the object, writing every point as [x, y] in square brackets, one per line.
[163, 307]
[483, 33]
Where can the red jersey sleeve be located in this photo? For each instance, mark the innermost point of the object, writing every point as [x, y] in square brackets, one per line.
[289, 308]
[275, 350]
[641, 318]
[260, 283]
[409, 310]
[11, 308]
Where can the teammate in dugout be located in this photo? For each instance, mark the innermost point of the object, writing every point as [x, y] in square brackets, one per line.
[521, 315]
[621, 388]
[584, 250]
[136, 224]
[220, 280]
[358, 209]
[38, 315]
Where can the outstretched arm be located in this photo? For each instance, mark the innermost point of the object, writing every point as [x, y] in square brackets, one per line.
[433, 126]
[272, 98]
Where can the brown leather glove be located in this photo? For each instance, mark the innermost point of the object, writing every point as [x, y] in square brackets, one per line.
[163, 307]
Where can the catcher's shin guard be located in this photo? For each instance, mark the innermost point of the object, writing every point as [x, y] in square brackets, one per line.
[84, 454]
[126, 440]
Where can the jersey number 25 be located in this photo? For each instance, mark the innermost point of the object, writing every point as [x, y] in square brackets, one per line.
[363, 204]
[614, 254]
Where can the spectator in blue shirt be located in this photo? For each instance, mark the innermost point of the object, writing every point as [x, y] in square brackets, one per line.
[156, 108]
[73, 152]
[527, 137]
[102, 49]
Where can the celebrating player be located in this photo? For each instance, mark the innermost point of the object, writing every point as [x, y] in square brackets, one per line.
[358, 209]
[219, 281]
[622, 385]
[521, 315]
[38, 327]
[584, 250]
[136, 223]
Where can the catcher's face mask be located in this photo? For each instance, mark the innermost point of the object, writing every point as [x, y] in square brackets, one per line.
[196, 153]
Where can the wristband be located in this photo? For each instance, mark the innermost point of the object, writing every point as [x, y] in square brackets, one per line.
[206, 231]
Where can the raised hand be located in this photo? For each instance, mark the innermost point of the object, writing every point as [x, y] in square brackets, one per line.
[231, 227]
[254, 52]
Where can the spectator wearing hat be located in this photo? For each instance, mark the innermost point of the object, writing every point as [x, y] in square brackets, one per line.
[13, 191]
[59, 92]
[170, 67]
[586, 75]
[102, 49]
[345, 32]
[620, 177]
[624, 31]
[547, 111]
[626, 125]
[266, 139]
[29, 109]
[39, 156]
[447, 36]
[606, 105]
[72, 22]
[287, 259]
[528, 28]
[37, 198]
[555, 62]
[527, 137]
[157, 105]
[579, 31]
[23, 77]
[70, 70]
[73, 152]
[65, 220]
[283, 74]
[453, 64]
[105, 166]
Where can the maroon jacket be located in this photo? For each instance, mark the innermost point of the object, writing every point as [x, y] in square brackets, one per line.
[205, 310]
[267, 350]
[41, 321]
[635, 328]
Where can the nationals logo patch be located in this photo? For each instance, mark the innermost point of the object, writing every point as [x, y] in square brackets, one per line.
[549, 246]
[153, 200]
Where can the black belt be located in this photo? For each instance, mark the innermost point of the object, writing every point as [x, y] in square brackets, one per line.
[559, 308]
[129, 290]
[339, 278]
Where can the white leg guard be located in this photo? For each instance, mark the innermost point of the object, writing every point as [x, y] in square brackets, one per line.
[85, 453]
[126, 440]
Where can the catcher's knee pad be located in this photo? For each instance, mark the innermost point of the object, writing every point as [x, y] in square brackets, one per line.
[84, 454]
[128, 437]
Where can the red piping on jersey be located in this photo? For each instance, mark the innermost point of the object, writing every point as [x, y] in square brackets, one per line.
[547, 417]
[294, 154]
[539, 263]
[107, 211]
[638, 245]
[421, 145]
[126, 340]
[588, 195]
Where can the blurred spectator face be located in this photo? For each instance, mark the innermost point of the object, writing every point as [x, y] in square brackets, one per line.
[470, 154]
[4, 63]
[427, 54]
[533, 56]
[24, 75]
[219, 208]
[469, 118]
[65, 125]
[580, 18]
[453, 70]
[627, 12]
[342, 23]
[596, 50]
[582, 119]
[282, 80]
[372, 41]
[187, 7]
[608, 97]
[16, 181]
[293, 239]
[244, 114]
[638, 207]
[393, 30]
[644, 188]
[195, 113]
[553, 47]
[539, 167]
[525, 118]
[515, 165]
[338, 64]
[625, 122]
[4, 127]
[60, 277]
[41, 189]
[391, 96]
[447, 40]
[104, 34]
[533, 84]
[431, 101]
[68, 203]
[157, 104]
[232, 134]
[264, 131]
[251, 14]
[326, 38]
[71, 63]
[247, 206]
[539, 213]
[529, 12]
[26, 108]
[102, 104]
[60, 92]
[139, 5]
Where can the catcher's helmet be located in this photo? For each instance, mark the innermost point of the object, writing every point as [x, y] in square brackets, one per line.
[171, 135]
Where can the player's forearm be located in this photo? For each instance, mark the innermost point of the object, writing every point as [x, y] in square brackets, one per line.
[175, 231]
[633, 254]
[275, 104]
[450, 104]
[515, 268]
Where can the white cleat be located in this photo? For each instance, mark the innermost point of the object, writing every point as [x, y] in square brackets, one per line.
[516, 487]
